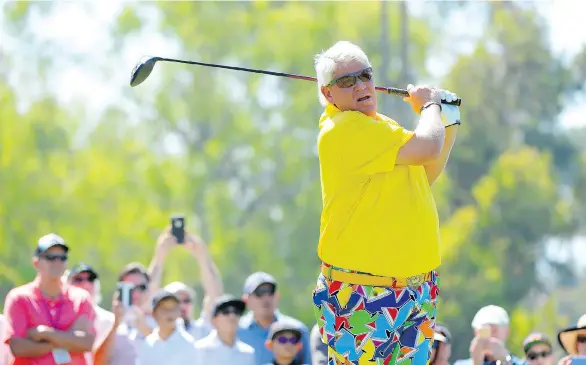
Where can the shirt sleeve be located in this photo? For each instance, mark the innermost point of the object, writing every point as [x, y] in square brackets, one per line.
[370, 146]
[15, 316]
[86, 309]
[306, 350]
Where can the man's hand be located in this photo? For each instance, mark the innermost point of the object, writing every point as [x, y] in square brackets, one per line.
[118, 309]
[194, 244]
[421, 94]
[38, 334]
[479, 349]
[567, 360]
[165, 243]
[450, 113]
[497, 349]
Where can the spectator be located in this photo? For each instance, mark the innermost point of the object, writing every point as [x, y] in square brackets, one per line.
[538, 349]
[573, 341]
[222, 345]
[116, 348]
[211, 280]
[3, 349]
[489, 348]
[167, 344]
[284, 341]
[138, 322]
[319, 350]
[441, 348]
[48, 322]
[85, 277]
[261, 297]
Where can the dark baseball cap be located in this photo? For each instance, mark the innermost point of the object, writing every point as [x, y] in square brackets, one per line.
[226, 301]
[81, 267]
[48, 241]
[163, 295]
[284, 326]
[257, 279]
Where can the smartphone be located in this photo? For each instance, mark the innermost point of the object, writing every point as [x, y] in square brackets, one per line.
[484, 332]
[125, 294]
[578, 360]
[178, 227]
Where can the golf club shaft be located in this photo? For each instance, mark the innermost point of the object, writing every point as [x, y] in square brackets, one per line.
[388, 90]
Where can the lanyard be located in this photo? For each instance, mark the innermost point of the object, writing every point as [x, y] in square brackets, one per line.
[53, 321]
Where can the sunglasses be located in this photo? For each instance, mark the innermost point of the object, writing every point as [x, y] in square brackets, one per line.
[51, 257]
[79, 279]
[284, 340]
[350, 80]
[229, 310]
[581, 339]
[537, 355]
[141, 287]
[267, 290]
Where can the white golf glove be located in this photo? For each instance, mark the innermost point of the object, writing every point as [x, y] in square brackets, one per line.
[450, 113]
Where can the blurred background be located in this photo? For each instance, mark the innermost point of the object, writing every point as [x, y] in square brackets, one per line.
[86, 156]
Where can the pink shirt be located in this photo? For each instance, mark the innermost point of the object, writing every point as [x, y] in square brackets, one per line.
[26, 307]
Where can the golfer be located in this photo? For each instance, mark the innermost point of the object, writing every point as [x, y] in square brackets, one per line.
[375, 299]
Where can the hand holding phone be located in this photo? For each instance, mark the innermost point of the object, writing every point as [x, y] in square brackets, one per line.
[484, 332]
[178, 227]
[125, 294]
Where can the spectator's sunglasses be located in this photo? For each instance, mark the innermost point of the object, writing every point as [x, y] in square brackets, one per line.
[141, 287]
[581, 339]
[52, 257]
[81, 279]
[537, 355]
[350, 80]
[284, 340]
[266, 290]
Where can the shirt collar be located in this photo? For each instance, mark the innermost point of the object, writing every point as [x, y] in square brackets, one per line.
[36, 284]
[218, 341]
[173, 337]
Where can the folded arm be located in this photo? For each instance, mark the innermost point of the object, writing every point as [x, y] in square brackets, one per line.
[23, 347]
[78, 339]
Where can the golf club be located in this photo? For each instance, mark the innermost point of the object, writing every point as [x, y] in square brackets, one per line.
[144, 68]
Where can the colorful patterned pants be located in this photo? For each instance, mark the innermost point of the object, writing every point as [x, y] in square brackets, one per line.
[368, 325]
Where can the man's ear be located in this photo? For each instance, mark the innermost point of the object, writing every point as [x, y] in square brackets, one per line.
[269, 345]
[245, 298]
[327, 94]
[299, 346]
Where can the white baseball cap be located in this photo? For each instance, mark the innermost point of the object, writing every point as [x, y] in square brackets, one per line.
[490, 315]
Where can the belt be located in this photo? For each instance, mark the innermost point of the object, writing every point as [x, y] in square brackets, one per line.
[412, 282]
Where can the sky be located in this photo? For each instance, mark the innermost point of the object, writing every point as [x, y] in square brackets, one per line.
[79, 32]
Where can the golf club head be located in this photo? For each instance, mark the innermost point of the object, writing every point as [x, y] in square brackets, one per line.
[142, 70]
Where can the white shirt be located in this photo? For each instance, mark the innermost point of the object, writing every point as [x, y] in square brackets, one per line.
[103, 324]
[177, 349]
[212, 351]
[198, 328]
[127, 329]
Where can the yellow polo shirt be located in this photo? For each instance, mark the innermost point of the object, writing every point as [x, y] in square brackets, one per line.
[377, 217]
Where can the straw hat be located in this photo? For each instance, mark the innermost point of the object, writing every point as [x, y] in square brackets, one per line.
[568, 337]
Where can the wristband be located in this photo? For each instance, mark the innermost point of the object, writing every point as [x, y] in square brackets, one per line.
[430, 103]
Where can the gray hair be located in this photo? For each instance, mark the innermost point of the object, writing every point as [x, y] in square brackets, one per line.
[326, 63]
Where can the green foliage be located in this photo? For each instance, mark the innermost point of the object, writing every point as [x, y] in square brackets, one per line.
[236, 153]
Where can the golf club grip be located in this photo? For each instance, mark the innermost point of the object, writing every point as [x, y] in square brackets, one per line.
[404, 93]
